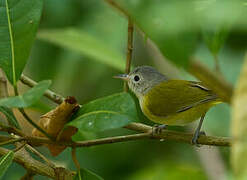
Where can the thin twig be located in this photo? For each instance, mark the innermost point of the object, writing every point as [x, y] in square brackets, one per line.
[76, 162]
[116, 6]
[146, 134]
[47, 161]
[34, 124]
[129, 51]
[180, 137]
[12, 141]
[11, 130]
[20, 147]
[49, 94]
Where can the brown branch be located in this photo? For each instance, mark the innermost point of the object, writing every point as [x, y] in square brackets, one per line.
[179, 136]
[146, 133]
[49, 94]
[11, 141]
[212, 79]
[117, 7]
[41, 156]
[11, 130]
[19, 146]
[23, 158]
[129, 51]
[37, 140]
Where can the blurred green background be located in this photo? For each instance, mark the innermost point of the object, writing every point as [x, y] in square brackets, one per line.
[82, 74]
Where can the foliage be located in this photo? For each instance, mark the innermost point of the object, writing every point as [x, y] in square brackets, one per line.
[82, 44]
[5, 162]
[18, 26]
[28, 98]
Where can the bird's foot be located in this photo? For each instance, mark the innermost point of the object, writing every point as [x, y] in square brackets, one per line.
[157, 129]
[196, 136]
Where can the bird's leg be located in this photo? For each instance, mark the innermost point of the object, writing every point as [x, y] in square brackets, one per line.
[157, 129]
[198, 132]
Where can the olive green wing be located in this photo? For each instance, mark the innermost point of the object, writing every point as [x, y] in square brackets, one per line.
[176, 96]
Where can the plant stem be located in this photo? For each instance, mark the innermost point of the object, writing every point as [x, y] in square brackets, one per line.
[49, 94]
[76, 162]
[129, 51]
[35, 125]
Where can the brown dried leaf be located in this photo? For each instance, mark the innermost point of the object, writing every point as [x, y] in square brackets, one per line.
[53, 123]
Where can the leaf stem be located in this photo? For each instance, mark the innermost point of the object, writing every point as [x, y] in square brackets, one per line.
[34, 124]
[76, 162]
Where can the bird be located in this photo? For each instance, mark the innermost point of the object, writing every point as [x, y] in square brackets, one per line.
[171, 102]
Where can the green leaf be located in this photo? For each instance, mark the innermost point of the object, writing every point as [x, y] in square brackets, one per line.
[10, 116]
[100, 121]
[106, 113]
[5, 162]
[85, 174]
[19, 20]
[122, 103]
[28, 98]
[85, 44]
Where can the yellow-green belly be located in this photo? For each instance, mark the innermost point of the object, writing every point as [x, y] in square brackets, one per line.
[180, 118]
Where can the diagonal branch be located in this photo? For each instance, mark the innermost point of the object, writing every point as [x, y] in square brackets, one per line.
[23, 158]
[49, 94]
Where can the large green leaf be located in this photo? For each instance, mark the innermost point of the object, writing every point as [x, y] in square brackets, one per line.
[121, 103]
[28, 98]
[10, 116]
[85, 174]
[19, 20]
[103, 114]
[84, 44]
[5, 162]
[100, 121]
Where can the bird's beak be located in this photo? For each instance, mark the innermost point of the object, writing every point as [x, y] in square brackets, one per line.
[124, 77]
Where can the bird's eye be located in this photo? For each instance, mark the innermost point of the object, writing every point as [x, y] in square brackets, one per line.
[136, 78]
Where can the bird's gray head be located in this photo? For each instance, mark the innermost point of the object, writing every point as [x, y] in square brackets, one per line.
[142, 79]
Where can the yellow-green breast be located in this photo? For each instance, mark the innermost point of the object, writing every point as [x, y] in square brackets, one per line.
[177, 102]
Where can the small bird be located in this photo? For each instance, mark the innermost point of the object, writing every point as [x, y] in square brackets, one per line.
[170, 102]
